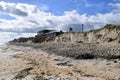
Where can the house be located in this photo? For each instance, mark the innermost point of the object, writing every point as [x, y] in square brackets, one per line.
[48, 33]
[42, 32]
[52, 34]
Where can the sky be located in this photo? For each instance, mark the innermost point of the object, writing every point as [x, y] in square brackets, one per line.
[26, 17]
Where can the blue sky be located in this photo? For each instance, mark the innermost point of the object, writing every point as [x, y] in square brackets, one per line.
[91, 7]
[29, 16]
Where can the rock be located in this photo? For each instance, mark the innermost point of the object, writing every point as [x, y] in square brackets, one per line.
[115, 61]
[85, 56]
[22, 74]
[39, 77]
[64, 64]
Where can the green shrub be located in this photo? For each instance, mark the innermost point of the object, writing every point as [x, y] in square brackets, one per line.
[108, 40]
[39, 39]
[85, 56]
[112, 26]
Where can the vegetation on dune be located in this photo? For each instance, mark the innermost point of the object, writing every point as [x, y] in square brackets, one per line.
[39, 39]
[119, 37]
[111, 26]
[107, 26]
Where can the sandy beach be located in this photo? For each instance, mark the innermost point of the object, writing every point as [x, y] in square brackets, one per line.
[28, 63]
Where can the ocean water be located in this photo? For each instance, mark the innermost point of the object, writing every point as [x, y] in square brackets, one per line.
[1, 43]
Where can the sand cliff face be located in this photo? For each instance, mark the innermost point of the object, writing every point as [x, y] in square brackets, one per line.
[110, 33]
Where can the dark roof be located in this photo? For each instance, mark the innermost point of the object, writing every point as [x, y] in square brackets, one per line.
[45, 31]
[52, 32]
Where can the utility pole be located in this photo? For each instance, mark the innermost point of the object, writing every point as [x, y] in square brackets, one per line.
[70, 30]
[82, 27]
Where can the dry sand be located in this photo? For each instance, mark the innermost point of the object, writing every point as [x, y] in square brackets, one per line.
[14, 59]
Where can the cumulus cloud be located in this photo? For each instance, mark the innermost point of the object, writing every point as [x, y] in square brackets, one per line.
[28, 18]
[12, 9]
[116, 6]
[43, 7]
[116, 0]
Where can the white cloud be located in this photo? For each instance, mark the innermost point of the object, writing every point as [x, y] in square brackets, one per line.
[116, 0]
[43, 7]
[12, 9]
[88, 4]
[116, 6]
[31, 19]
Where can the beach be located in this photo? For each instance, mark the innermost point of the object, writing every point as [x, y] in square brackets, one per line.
[19, 62]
